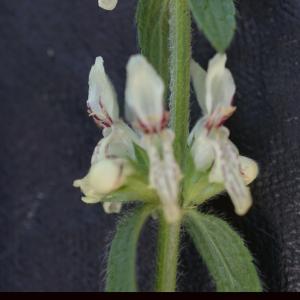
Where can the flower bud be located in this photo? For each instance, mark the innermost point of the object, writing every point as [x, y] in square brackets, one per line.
[103, 178]
[112, 207]
[203, 153]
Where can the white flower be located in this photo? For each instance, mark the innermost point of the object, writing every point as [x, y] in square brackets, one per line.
[117, 141]
[108, 4]
[103, 178]
[103, 107]
[209, 140]
[145, 108]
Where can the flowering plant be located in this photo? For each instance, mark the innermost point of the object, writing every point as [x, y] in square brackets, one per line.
[155, 161]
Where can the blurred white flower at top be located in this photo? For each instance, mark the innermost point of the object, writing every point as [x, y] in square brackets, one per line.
[108, 4]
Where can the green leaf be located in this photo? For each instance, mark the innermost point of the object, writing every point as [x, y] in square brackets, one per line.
[121, 267]
[142, 160]
[216, 18]
[196, 186]
[224, 252]
[153, 34]
[136, 187]
[192, 184]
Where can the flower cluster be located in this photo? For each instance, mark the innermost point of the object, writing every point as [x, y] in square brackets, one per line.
[212, 151]
[110, 164]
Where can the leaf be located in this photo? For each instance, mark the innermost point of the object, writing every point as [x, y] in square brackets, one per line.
[123, 195]
[196, 186]
[153, 34]
[192, 184]
[142, 159]
[224, 252]
[121, 267]
[135, 189]
[216, 18]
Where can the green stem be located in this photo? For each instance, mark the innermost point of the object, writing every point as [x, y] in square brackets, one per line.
[180, 47]
[168, 249]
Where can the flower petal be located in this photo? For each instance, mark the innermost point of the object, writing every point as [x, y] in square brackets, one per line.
[198, 75]
[108, 4]
[249, 169]
[201, 146]
[118, 143]
[203, 153]
[226, 169]
[102, 102]
[220, 86]
[144, 95]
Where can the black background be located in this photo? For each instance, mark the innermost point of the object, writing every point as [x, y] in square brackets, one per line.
[49, 240]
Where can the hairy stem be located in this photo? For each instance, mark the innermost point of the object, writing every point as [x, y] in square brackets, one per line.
[180, 50]
[168, 249]
[180, 47]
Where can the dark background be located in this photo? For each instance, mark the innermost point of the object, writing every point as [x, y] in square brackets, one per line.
[49, 240]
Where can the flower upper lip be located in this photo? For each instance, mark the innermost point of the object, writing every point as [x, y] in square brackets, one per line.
[102, 102]
[214, 90]
[145, 96]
